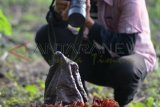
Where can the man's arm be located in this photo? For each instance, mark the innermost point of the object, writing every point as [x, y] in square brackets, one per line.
[119, 43]
[128, 28]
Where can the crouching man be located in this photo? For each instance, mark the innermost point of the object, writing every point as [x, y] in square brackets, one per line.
[118, 49]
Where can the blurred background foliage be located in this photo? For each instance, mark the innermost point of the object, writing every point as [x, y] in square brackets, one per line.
[22, 81]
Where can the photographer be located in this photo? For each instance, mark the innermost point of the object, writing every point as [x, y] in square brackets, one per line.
[120, 54]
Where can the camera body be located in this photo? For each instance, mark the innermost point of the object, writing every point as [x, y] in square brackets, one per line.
[77, 15]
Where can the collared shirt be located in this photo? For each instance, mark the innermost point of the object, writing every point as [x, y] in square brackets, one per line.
[129, 16]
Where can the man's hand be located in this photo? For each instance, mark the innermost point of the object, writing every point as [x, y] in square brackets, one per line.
[89, 21]
[61, 7]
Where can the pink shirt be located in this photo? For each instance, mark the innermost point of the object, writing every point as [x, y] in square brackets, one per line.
[129, 16]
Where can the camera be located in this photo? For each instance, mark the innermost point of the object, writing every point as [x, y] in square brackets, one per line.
[77, 15]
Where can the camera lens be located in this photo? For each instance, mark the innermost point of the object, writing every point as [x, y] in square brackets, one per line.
[77, 13]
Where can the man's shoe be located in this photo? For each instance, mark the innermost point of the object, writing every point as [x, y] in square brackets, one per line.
[125, 106]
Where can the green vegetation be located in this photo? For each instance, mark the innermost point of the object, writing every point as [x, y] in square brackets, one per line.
[23, 81]
[153, 8]
[5, 27]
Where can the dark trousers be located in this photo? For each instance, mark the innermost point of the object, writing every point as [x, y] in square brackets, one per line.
[123, 74]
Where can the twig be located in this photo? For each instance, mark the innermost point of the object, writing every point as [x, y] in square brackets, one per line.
[140, 99]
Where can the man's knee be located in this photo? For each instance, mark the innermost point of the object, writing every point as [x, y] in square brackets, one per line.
[132, 70]
[42, 41]
[42, 35]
